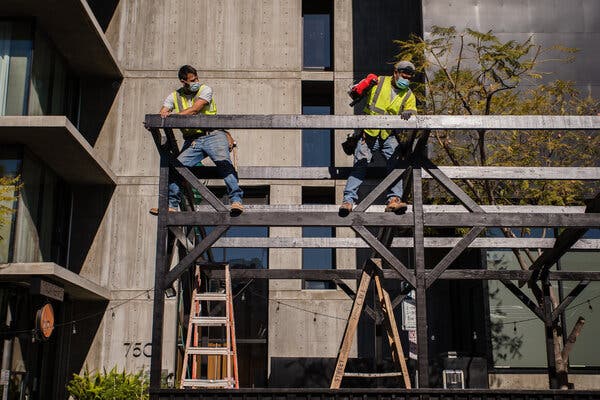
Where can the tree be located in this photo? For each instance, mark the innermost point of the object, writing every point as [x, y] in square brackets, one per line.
[8, 187]
[475, 73]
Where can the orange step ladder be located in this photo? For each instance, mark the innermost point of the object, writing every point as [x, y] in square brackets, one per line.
[221, 359]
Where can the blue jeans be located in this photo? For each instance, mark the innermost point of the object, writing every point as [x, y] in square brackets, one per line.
[216, 147]
[363, 156]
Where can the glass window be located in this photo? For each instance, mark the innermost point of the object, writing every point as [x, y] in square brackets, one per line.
[317, 34]
[585, 352]
[317, 148]
[318, 258]
[34, 78]
[517, 335]
[15, 59]
[41, 230]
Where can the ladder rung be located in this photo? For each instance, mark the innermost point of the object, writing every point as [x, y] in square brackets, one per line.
[211, 296]
[208, 383]
[371, 374]
[209, 351]
[209, 321]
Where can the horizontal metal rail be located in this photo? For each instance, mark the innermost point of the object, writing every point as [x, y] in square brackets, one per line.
[441, 122]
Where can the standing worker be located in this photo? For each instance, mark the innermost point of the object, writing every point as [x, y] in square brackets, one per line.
[191, 99]
[391, 96]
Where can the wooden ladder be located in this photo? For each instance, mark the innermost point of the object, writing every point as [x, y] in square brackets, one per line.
[222, 366]
[372, 270]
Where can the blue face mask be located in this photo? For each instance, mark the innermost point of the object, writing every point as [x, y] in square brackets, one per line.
[194, 87]
[402, 83]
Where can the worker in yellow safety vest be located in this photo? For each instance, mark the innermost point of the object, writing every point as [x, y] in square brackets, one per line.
[391, 96]
[191, 99]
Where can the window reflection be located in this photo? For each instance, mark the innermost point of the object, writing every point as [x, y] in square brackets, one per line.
[317, 34]
[317, 149]
[318, 258]
[34, 77]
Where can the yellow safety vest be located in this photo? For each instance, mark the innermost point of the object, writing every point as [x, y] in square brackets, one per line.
[380, 102]
[181, 103]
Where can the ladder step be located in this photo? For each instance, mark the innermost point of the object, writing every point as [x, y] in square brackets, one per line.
[371, 374]
[209, 321]
[209, 351]
[208, 383]
[211, 296]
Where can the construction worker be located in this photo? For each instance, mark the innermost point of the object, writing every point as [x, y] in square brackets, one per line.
[391, 96]
[191, 99]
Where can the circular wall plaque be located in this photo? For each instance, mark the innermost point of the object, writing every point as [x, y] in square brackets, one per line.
[44, 321]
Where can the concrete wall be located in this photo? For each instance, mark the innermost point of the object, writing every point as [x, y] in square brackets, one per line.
[250, 53]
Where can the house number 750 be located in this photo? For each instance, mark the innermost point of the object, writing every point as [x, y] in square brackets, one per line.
[137, 349]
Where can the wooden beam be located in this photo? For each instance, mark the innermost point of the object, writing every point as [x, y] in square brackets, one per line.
[379, 189]
[451, 187]
[563, 243]
[398, 242]
[454, 274]
[291, 218]
[433, 122]
[387, 255]
[421, 279]
[467, 172]
[576, 291]
[350, 330]
[537, 310]
[192, 256]
[452, 255]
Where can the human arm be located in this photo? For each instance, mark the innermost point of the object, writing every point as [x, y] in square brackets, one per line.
[410, 108]
[195, 108]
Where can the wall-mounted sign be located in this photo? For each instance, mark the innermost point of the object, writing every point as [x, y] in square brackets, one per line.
[48, 289]
[409, 315]
[44, 321]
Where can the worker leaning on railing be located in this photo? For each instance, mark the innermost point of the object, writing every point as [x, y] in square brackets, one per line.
[191, 99]
[390, 95]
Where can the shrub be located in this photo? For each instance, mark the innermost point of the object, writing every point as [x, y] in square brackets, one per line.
[112, 385]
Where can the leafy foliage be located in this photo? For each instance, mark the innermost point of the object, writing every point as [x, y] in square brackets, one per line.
[475, 73]
[112, 385]
[8, 187]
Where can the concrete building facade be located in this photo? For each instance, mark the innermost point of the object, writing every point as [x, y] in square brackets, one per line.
[260, 57]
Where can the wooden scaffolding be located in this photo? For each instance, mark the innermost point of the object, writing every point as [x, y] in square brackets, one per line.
[575, 220]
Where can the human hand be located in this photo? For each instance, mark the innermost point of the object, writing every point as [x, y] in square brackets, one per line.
[406, 115]
[165, 112]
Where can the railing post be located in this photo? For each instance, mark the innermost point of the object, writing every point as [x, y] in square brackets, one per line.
[161, 268]
[421, 283]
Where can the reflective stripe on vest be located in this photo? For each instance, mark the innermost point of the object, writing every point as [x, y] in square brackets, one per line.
[379, 103]
[181, 103]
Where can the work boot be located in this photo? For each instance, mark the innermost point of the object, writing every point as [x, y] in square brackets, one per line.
[154, 210]
[236, 208]
[395, 204]
[345, 209]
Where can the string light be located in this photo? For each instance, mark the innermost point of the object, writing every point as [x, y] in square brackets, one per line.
[590, 305]
[74, 331]
[514, 327]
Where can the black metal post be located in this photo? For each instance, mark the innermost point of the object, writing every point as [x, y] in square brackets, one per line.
[421, 279]
[161, 268]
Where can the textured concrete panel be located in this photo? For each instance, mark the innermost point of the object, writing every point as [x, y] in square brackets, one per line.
[134, 246]
[124, 337]
[307, 328]
[214, 35]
